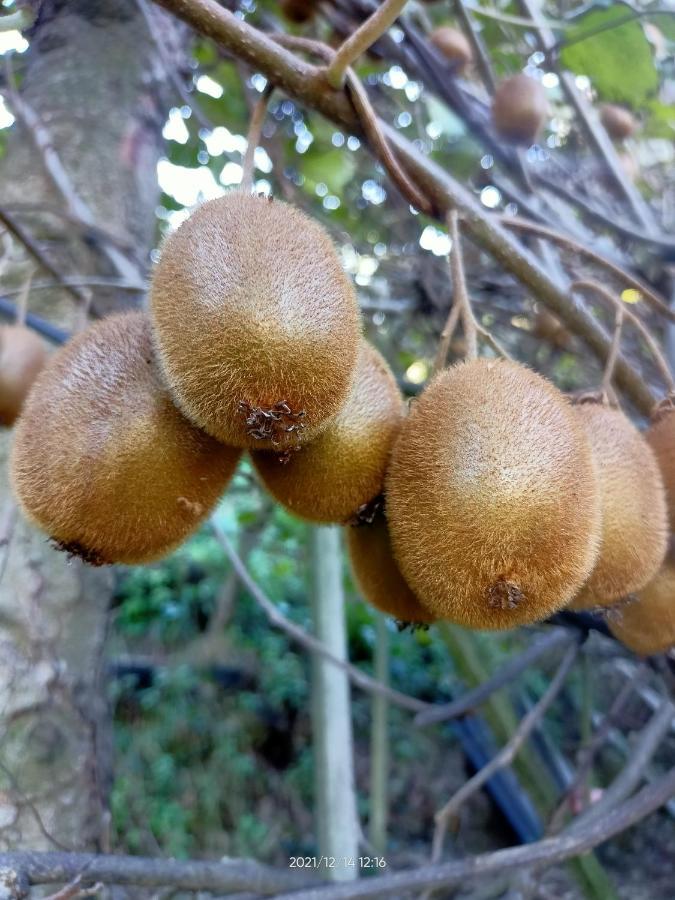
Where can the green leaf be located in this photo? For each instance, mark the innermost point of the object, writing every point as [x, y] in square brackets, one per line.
[617, 60]
[332, 167]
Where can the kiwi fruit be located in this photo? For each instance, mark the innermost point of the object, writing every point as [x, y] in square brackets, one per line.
[618, 122]
[453, 45]
[103, 461]
[661, 438]
[634, 534]
[298, 11]
[256, 324]
[547, 327]
[519, 108]
[343, 469]
[492, 497]
[647, 626]
[22, 356]
[377, 573]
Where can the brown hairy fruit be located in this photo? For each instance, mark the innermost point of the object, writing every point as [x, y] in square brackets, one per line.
[618, 122]
[342, 470]
[634, 534]
[103, 461]
[519, 108]
[661, 438]
[492, 497]
[256, 324]
[453, 45]
[22, 357]
[377, 573]
[548, 327]
[298, 11]
[647, 626]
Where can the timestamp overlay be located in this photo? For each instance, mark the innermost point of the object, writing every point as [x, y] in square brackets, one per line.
[337, 862]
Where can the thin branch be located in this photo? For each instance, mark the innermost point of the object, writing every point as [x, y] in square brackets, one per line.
[641, 753]
[659, 358]
[305, 84]
[368, 120]
[7, 525]
[364, 37]
[22, 301]
[482, 58]
[544, 646]
[75, 891]
[653, 299]
[588, 753]
[38, 255]
[253, 138]
[308, 641]
[608, 374]
[505, 755]
[61, 181]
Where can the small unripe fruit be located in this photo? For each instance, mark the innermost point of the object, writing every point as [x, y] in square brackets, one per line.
[492, 497]
[103, 461]
[647, 626]
[453, 45]
[519, 108]
[22, 357]
[343, 469]
[634, 535]
[619, 123]
[377, 573]
[661, 438]
[256, 323]
[298, 11]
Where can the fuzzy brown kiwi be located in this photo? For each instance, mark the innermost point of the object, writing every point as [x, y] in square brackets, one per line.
[492, 497]
[256, 324]
[378, 575]
[618, 122]
[519, 108]
[548, 327]
[634, 535]
[22, 356]
[298, 11]
[453, 45]
[103, 461]
[661, 438]
[342, 470]
[647, 626]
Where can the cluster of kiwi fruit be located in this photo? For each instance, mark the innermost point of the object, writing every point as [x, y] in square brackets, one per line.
[493, 501]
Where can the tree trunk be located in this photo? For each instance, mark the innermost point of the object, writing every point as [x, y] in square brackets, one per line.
[334, 798]
[91, 77]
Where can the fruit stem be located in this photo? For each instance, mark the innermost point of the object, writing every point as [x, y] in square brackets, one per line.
[659, 358]
[22, 300]
[364, 37]
[462, 299]
[253, 137]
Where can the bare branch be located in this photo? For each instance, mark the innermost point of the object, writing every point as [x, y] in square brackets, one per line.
[365, 36]
[253, 137]
[505, 755]
[544, 646]
[308, 641]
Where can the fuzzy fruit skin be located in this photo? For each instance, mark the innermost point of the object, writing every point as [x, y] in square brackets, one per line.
[519, 108]
[647, 626]
[634, 536]
[344, 468]
[492, 497]
[103, 461]
[453, 45]
[377, 573]
[22, 356]
[250, 305]
[618, 122]
[661, 438]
